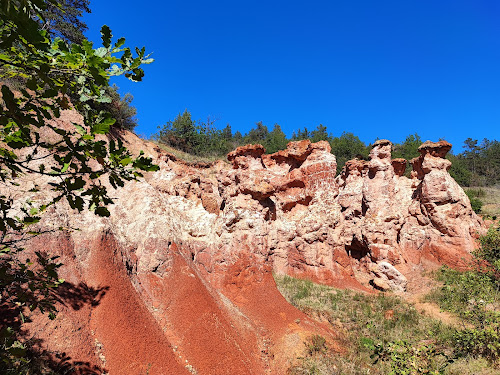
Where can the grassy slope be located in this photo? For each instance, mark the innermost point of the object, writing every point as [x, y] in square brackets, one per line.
[370, 323]
[190, 158]
[490, 196]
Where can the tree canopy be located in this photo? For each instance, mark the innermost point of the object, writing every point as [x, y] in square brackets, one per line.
[64, 19]
[477, 165]
[73, 161]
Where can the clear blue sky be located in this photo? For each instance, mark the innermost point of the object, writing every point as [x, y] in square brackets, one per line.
[385, 68]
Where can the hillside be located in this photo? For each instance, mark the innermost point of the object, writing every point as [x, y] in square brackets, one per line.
[179, 278]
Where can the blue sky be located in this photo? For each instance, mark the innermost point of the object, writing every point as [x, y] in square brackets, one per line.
[385, 68]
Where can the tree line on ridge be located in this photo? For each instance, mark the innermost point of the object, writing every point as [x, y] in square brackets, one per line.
[477, 165]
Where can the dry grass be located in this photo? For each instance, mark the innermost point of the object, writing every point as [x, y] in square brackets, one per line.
[190, 158]
[370, 320]
[490, 196]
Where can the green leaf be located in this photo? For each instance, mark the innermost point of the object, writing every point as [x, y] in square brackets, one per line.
[120, 43]
[106, 36]
[126, 161]
[103, 126]
[65, 167]
[101, 52]
[80, 129]
[102, 211]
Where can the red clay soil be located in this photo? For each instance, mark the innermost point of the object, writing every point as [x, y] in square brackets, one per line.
[132, 342]
[253, 289]
[69, 334]
[205, 334]
[176, 324]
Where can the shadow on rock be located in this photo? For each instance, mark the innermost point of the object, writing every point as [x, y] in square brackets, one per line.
[77, 296]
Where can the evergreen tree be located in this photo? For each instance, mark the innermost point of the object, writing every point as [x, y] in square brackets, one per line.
[227, 133]
[121, 108]
[347, 147]
[64, 20]
[409, 148]
[258, 134]
[276, 140]
[301, 135]
[182, 133]
[319, 134]
[238, 138]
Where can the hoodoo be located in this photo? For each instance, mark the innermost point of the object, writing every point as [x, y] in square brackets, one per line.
[179, 277]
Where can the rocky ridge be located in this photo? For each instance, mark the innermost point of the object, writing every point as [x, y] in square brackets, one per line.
[187, 255]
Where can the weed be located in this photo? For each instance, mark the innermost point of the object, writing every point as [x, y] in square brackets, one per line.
[370, 322]
[316, 345]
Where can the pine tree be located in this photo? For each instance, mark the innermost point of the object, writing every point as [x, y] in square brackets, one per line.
[64, 20]
[276, 140]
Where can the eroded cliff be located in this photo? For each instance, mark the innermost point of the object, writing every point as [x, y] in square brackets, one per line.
[179, 277]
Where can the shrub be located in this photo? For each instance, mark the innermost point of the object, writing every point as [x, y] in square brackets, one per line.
[490, 252]
[475, 202]
[474, 296]
[479, 342]
[409, 359]
[316, 344]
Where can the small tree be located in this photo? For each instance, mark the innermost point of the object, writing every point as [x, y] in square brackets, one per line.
[347, 147]
[258, 134]
[276, 140]
[409, 148]
[182, 133]
[320, 134]
[120, 108]
[63, 19]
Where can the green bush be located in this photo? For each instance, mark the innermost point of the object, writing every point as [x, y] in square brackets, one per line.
[475, 202]
[368, 326]
[490, 252]
[406, 358]
[483, 342]
[474, 296]
[471, 295]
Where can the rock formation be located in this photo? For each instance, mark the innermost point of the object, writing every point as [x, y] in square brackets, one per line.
[181, 272]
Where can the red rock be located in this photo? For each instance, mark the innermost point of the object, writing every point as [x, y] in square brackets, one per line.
[399, 166]
[285, 212]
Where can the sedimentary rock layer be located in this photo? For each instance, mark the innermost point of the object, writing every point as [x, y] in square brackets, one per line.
[179, 277]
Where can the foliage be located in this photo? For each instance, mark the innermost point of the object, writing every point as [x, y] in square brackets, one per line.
[482, 160]
[276, 140]
[72, 162]
[180, 133]
[320, 134]
[195, 137]
[474, 296]
[475, 202]
[258, 134]
[409, 148]
[120, 108]
[408, 359]
[63, 20]
[490, 252]
[484, 342]
[24, 287]
[459, 170]
[382, 327]
[347, 147]
[470, 294]
[481, 166]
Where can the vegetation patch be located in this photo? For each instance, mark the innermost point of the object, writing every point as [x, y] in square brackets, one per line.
[385, 334]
